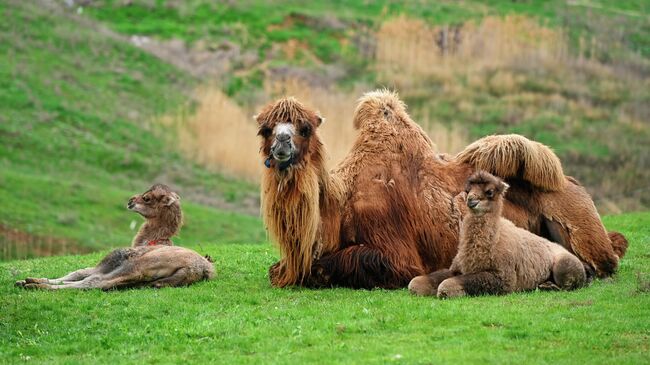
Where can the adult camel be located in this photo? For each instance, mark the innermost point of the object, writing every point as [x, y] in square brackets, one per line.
[386, 213]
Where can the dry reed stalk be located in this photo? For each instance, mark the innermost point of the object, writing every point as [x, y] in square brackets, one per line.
[222, 135]
[408, 49]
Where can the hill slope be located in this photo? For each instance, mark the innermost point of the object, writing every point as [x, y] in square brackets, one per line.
[571, 74]
[78, 137]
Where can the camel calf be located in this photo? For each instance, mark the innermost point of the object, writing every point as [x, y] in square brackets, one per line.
[496, 257]
[150, 263]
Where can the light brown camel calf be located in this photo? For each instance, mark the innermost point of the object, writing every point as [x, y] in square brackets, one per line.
[496, 257]
[152, 262]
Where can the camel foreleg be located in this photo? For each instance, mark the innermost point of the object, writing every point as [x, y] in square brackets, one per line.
[361, 267]
[480, 283]
[426, 285]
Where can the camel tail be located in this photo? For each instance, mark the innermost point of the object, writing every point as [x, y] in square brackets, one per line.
[515, 156]
[619, 243]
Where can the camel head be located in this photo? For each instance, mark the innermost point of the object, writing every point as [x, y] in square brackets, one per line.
[288, 132]
[156, 201]
[484, 192]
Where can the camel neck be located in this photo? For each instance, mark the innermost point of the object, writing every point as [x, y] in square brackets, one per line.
[481, 230]
[160, 228]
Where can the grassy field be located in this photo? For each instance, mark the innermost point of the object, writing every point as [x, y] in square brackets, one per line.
[239, 318]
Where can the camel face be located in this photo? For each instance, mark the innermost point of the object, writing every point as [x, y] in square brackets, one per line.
[283, 146]
[483, 191]
[287, 129]
[154, 201]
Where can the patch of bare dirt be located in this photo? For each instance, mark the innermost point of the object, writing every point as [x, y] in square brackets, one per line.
[202, 58]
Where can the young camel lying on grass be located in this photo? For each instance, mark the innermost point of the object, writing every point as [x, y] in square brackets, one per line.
[496, 257]
[152, 262]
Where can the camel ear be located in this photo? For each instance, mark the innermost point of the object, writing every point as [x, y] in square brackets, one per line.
[170, 199]
[320, 120]
[504, 187]
[255, 118]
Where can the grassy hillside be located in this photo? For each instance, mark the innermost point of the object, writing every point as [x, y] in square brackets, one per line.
[238, 318]
[78, 137]
[82, 98]
[571, 74]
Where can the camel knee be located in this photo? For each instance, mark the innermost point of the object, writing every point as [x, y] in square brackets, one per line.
[428, 284]
[422, 285]
[451, 288]
[569, 272]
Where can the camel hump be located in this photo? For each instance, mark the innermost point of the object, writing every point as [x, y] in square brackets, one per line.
[515, 156]
[378, 104]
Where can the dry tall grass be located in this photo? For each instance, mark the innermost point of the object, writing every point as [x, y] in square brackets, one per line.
[408, 49]
[446, 73]
[222, 134]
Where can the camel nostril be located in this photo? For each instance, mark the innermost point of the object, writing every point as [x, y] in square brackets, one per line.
[472, 203]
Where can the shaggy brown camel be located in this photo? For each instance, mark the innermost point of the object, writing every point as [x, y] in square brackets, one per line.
[152, 262]
[495, 256]
[386, 214]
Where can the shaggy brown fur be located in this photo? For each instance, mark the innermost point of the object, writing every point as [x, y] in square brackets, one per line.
[387, 212]
[153, 265]
[161, 208]
[496, 257]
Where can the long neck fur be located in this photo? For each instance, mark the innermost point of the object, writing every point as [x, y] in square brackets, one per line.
[160, 228]
[292, 203]
[480, 232]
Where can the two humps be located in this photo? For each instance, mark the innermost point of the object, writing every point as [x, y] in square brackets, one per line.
[152, 261]
[496, 257]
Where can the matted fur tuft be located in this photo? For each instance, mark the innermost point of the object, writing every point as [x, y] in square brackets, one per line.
[515, 156]
[384, 106]
[287, 108]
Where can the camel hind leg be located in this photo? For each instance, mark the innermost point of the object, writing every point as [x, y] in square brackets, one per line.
[89, 282]
[181, 277]
[573, 221]
[71, 277]
[569, 272]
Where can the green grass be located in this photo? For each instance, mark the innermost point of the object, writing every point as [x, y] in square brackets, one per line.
[78, 136]
[239, 318]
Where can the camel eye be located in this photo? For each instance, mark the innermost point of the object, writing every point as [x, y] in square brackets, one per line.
[305, 131]
[489, 193]
[265, 132]
[146, 198]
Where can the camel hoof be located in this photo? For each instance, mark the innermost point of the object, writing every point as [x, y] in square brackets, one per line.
[548, 286]
[274, 274]
[318, 278]
[33, 286]
[34, 280]
[20, 283]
